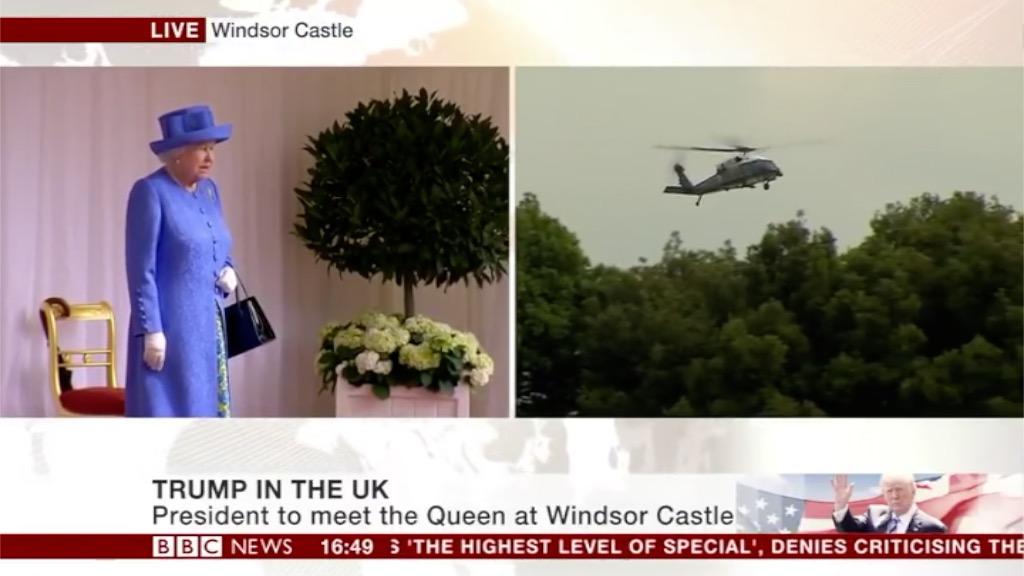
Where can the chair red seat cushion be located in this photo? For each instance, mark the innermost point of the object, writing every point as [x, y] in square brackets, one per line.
[95, 400]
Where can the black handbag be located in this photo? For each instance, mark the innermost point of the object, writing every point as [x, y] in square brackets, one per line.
[247, 325]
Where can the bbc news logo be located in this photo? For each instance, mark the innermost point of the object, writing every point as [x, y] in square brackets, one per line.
[188, 547]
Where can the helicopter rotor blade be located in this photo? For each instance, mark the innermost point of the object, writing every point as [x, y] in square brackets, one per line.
[736, 144]
[698, 148]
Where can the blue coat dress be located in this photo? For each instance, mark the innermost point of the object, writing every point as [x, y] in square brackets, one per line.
[176, 244]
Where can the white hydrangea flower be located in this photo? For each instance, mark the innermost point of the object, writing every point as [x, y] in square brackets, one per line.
[339, 368]
[366, 361]
[385, 341]
[441, 341]
[477, 377]
[419, 357]
[328, 328]
[483, 362]
[418, 323]
[401, 335]
[467, 342]
[383, 367]
[377, 320]
[351, 337]
[440, 328]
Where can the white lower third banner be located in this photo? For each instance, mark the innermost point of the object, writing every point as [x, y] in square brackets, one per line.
[507, 491]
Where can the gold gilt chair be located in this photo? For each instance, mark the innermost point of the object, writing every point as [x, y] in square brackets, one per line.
[94, 400]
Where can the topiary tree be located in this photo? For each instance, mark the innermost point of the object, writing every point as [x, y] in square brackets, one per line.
[411, 189]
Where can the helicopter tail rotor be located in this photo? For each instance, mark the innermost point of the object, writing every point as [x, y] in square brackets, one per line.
[685, 186]
[684, 182]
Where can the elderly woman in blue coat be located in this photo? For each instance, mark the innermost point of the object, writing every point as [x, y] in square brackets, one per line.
[178, 256]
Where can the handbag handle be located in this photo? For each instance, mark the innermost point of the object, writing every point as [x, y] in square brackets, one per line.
[257, 317]
[240, 285]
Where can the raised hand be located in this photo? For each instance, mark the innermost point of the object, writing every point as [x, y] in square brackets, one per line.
[843, 489]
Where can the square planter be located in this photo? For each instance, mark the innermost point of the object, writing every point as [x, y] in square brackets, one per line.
[359, 402]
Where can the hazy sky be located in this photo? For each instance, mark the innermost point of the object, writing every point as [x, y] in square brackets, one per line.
[585, 146]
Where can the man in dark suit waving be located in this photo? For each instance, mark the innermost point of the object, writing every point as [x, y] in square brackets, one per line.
[900, 515]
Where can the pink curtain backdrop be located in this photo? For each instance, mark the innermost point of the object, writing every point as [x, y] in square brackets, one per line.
[74, 141]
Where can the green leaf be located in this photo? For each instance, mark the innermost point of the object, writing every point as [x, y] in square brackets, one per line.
[350, 373]
[455, 361]
[382, 390]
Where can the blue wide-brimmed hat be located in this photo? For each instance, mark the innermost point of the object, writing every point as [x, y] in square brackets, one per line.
[189, 126]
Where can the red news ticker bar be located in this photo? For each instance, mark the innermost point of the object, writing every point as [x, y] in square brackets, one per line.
[512, 546]
[102, 30]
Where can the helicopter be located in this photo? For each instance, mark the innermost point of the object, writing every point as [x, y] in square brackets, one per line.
[739, 171]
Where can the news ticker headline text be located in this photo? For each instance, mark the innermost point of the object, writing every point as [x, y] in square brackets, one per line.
[513, 546]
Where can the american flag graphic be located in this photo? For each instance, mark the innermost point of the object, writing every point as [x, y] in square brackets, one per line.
[966, 503]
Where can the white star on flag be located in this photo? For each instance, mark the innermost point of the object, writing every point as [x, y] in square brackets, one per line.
[761, 504]
[784, 531]
[773, 519]
[743, 510]
[790, 510]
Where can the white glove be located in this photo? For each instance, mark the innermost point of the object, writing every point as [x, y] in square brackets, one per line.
[227, 281]
[156, 350]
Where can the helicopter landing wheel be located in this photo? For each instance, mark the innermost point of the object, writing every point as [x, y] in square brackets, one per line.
[766, 186]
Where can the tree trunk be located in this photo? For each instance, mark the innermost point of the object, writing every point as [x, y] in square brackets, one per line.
[410, 307]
